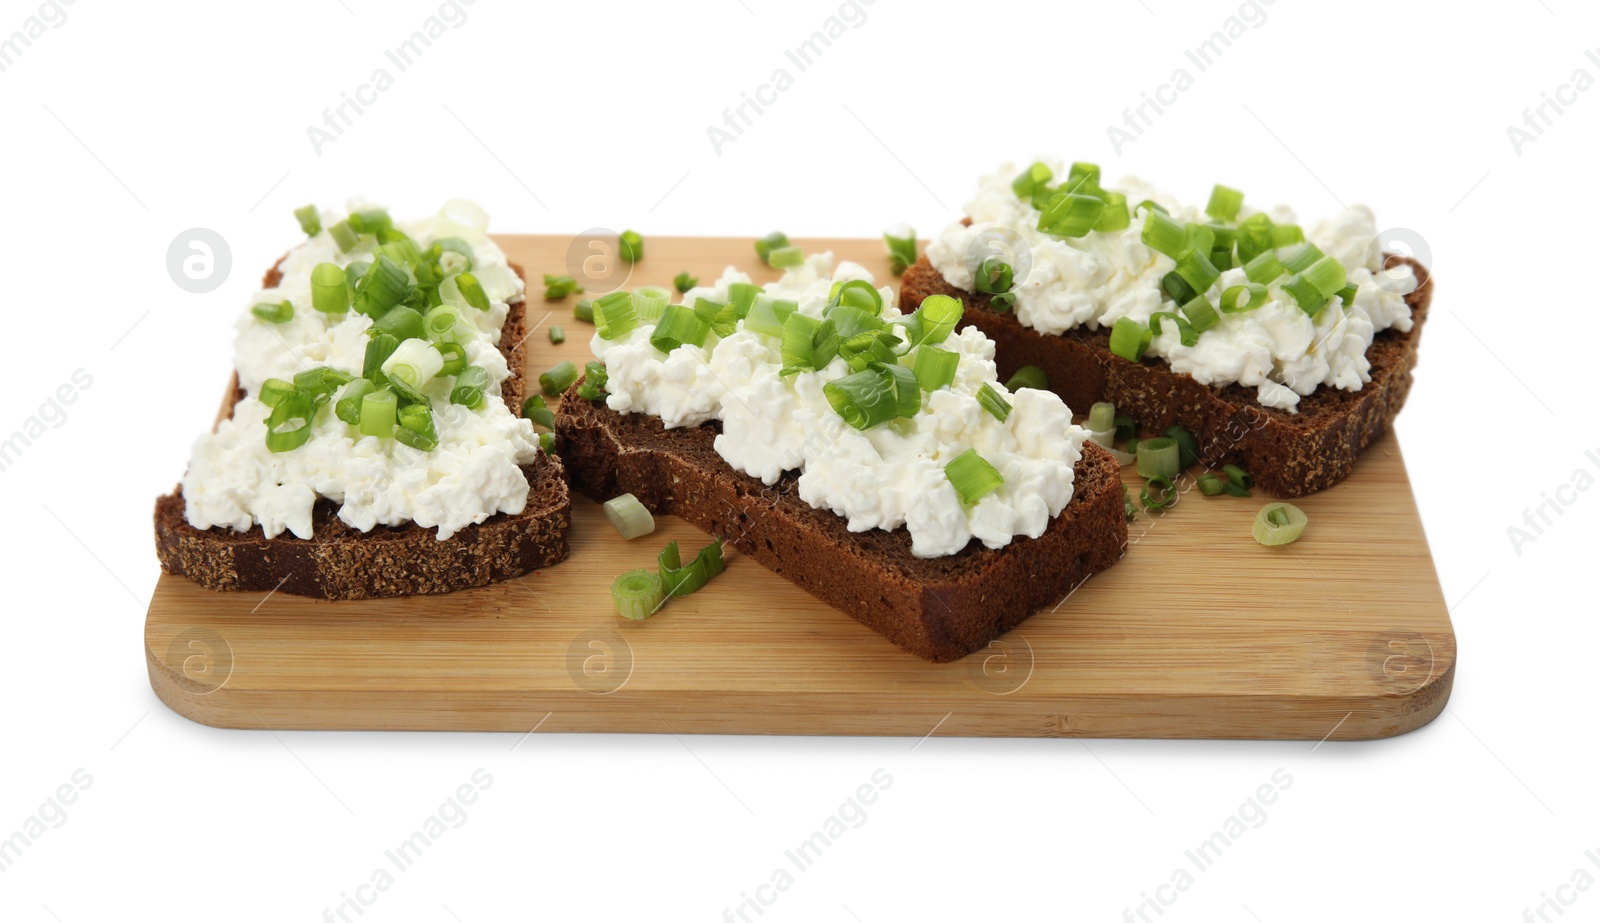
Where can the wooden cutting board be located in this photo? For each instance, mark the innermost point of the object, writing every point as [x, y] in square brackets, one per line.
[1196, 632]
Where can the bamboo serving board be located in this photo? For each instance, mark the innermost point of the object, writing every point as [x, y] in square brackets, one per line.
[1196, 632]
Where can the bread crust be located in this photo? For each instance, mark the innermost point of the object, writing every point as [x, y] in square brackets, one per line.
[1290, 454]
[937, 608]
[340, 562]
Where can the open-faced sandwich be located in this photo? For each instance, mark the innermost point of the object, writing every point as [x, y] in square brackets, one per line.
[368, 446]
[869, 456]
[1286, 351]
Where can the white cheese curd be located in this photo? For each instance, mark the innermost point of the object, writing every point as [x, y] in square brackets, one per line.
[474, 473]
[885, 477]
[1095, 279]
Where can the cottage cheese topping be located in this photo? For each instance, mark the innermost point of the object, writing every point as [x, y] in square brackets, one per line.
[473, 474]
[885, 477]
[1093, 280]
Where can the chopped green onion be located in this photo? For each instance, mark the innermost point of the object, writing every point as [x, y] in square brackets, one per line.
[379, 349]
[972, 476]
[1132, 448]
[901, 241]
[800, 335]
[1081, 174]
[398, 247]
[455, 358]
[991, 400]
[536, 410]
[868, 347]
[279, 313]
[416, 428]
[629, 517]
[321, 381]
[722, 318]
[1029, 376]
[872, 396]
[1158, 457]
[1225, 203]
[402, 322]
[370, 221]
[1254, 237]
[1347, 295]
[558, 378]
[630, 247]
[1102, 417]
[559, 287]
[344, 236]
[1327, 274]
[683, 281]
[743, 295]
[1167, 497]
[1279, 524]
[678, 326]
[857, 293]
[1300, 257]
[681, 580]
[1264, 268]
[470, 385]
[637, 594]
[1239, 476]
[547, 442]
[1177, 289]
[1285, 234]
[348, 406]
[1210, 485]
[1196, 268]
[1150, 205]
[273, 391]
[935, 368]
[330, 293]
[1115, 217]
[454, 245]
[1030, 179]
[786, 257]
[1306, 293]
[1126, 427]
[1239, 298]
[594, 381]
[1188, 448]
[557, 335]
[1069, 214]
[1186, 332]
[1129, 511]
[1163, 234]
[354, 273]
[763, 319]
[289, 424]
[384, 286]
[411, 366]
[1202, 316]
[583, 310]
[472, 290]
[310, 220]
[615, 316]
[378, 411]
[1129, 339]
[993, 277]
[934, 321]
[777, 240]
[444, 324]
[1235, 489]
[649, 301]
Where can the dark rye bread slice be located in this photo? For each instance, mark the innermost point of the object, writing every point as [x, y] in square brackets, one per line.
[340, 562]
[937, 608]
[1290, 454]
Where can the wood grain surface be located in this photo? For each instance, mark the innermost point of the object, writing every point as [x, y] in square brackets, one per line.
[1196, 632]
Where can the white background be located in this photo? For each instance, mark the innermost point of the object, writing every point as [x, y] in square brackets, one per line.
[129, 123]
